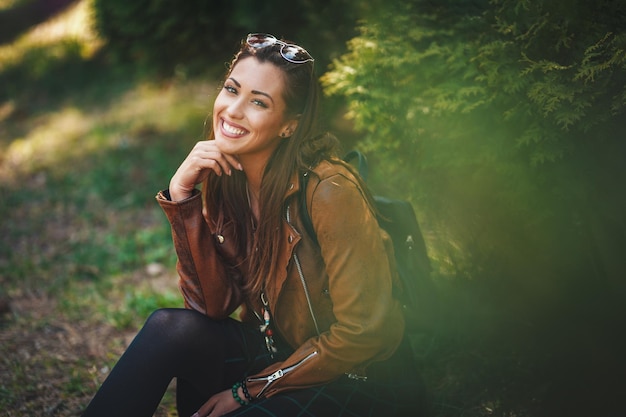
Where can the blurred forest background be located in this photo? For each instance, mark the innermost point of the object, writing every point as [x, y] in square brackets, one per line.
[503, 121]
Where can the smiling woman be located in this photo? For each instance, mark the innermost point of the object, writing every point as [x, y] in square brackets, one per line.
[274, 324]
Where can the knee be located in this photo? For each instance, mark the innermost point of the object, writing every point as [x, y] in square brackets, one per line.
[162, 318]
[176, 323]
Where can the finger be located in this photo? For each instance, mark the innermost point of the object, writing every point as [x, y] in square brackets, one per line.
[205, 410]
[210, 145]
[205, 160]
[226, 162]
[233, 161]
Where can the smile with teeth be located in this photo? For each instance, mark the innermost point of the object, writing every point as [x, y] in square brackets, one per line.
[232, 129]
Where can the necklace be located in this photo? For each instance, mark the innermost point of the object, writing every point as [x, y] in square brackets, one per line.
[265, 328]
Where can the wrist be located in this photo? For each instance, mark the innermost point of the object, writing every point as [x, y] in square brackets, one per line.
[245, 392]
[239, 394]
[177, 194]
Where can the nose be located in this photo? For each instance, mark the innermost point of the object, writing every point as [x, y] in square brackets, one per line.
[235, 108]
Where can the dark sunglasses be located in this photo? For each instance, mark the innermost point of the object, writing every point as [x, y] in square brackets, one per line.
[292, 53]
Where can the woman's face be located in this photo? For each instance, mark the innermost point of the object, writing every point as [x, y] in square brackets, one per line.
[249, 112]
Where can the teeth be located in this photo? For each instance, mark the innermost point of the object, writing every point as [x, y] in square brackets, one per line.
[232, 129]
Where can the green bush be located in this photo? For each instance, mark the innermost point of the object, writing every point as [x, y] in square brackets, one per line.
[486, 114]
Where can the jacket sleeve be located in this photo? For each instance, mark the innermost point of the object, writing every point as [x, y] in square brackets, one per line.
[368, 323]
[205, 280]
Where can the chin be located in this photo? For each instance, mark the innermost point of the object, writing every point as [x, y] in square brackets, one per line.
[226, 145]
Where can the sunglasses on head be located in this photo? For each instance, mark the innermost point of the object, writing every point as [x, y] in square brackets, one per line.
[292, 53]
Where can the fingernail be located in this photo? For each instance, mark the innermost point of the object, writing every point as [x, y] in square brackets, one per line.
[195, 415]
[240, 167]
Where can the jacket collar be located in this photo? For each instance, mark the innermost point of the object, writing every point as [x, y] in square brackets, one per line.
[294, 185]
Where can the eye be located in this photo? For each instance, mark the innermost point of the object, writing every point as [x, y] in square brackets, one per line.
[230, 89]
[259, 103]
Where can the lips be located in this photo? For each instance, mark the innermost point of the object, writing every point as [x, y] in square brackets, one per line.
[232, 130]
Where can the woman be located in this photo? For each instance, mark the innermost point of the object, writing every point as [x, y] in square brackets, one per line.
[318, 332]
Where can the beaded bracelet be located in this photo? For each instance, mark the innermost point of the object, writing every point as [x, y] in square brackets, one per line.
[246, 393]
[236, 394]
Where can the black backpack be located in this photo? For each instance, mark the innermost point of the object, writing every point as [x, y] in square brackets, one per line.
[398, 219]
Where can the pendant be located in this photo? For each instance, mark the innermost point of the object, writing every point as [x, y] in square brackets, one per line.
[265, 328]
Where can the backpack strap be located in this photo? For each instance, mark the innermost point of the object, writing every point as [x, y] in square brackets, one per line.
[361, 162]
[362, 168]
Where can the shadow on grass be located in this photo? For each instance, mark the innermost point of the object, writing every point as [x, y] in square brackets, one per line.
[49, 77]
[26, 14]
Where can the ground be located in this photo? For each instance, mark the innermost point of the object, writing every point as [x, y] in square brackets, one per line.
[51, 363]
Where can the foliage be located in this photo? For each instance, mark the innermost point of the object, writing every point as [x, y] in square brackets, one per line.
[564, 76]
[488, 97]
[503, 121]
[190, 34]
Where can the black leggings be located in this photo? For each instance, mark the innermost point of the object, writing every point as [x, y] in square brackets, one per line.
[208, 356]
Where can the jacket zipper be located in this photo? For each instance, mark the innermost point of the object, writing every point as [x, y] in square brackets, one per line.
[280, 373]
[270, 379]
[303, 281]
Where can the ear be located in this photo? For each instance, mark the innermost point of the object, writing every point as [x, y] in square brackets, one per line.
[290, 127]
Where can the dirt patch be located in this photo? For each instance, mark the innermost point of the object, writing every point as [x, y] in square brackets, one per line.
[52, 366]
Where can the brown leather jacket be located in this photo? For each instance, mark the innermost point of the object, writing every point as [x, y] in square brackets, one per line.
[332, 302]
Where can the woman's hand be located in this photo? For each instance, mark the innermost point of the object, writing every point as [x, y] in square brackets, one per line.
[218, 405]
[203, 158]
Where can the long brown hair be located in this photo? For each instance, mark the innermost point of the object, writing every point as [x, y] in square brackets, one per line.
[306, 147]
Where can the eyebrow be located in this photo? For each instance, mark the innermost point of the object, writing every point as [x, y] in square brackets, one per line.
[253, 91]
